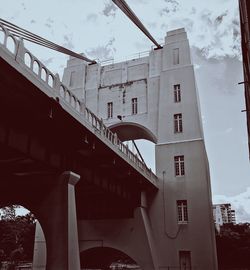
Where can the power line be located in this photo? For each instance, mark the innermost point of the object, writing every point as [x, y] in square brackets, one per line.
[29, 36]
[131, 15]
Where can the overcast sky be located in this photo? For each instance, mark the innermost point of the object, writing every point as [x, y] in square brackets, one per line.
[101, 31]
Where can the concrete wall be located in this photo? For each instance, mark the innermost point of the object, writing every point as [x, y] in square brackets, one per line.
[151, 80]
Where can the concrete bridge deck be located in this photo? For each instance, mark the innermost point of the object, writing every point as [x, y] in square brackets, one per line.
[45, 130]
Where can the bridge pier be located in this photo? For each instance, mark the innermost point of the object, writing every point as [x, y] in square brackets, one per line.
[147, 263]
[59, 223]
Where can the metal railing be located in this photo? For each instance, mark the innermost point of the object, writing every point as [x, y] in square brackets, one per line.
[23, 56]
[136, 56]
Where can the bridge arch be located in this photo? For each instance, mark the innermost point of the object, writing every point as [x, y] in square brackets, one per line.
[19, 245]
[132, 131]
[104, 258]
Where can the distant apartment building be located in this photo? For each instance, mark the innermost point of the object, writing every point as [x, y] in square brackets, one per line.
[245, 45]
[223, 214]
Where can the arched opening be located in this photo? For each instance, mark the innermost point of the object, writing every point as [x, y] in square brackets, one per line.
[11, 44]
[139, 139]
[27, 59]
[44, 74]
[132, 131]
[2, 35]
[36, 67]
[18, 228]
[106, 258]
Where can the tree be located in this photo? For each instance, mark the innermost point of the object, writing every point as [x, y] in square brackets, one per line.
[233, 246]
[9, 212]
[16, 233]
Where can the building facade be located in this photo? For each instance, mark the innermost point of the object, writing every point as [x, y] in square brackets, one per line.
[245, 45]
[223, 214]
[154, 98]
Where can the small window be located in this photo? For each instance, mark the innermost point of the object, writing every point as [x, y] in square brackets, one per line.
[182, 211]
[110, 109]
[185, 260]
[72, 78]
[179, 165]
[176, 59]
[134, 106]
[177, 93]
[178, 123]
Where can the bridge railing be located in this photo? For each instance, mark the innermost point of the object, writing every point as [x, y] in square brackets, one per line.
[16, 49]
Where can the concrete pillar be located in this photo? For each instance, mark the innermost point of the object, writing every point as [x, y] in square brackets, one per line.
[142, 216]
[150, 238]
[59, 221]
[39, 257]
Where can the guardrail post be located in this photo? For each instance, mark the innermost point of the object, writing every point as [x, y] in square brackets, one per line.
[101, 126]
[115, 138]
[57, 84]
[20, 51]
[83, 108]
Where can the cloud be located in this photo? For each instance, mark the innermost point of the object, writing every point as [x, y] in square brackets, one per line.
[68, 41]
[49, 23]
[103, 52]
[172, 6]
[92, 17]
[228, 130]
[109, 9]
[225, 65]
[240, 203]
[24, 7]
[219, 19]
[47, 61]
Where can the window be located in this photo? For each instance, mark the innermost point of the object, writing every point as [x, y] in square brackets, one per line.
[177, 93]
[176, 59]
[72, 78]
[185, 260]
[134, 106]
[178, 123]
[110, 109]
[179, 165]
[182, 211]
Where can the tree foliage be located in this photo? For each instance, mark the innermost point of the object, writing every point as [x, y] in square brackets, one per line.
[9, 212]
[233, 246]
[17, 236]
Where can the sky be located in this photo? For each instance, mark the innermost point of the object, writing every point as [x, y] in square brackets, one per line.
[101, 31]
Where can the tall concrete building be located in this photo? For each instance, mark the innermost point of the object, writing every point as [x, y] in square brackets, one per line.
[154, 98]
[223, 214]
[245, 45]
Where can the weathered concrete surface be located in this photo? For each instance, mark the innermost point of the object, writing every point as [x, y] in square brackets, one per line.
[151, 80]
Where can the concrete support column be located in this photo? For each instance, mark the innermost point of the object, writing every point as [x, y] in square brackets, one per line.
[142, 216]
[59, 222]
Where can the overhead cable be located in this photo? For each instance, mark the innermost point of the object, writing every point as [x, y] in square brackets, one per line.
[29, 36]
[131, 15]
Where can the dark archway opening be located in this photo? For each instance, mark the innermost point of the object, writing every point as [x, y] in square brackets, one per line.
[106, 258]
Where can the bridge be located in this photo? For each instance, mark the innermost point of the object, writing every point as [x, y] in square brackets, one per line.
[86, 188]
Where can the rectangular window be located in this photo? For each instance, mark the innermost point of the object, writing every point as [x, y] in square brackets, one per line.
[185, 260]
[110, 109]
[134, 106]
[176, 59]
[72, 78]
[178, 123]
[177, 93]
[182, 211]
[179, 165]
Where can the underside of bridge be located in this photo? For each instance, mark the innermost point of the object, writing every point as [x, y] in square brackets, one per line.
[39, 140]
[103, 257]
